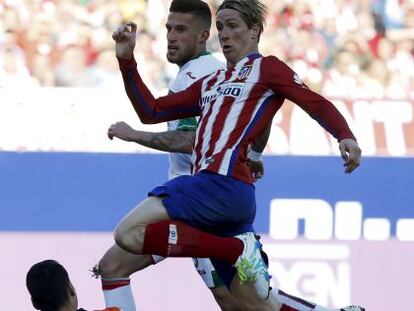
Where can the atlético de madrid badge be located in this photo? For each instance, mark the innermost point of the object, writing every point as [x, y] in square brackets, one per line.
[244, 72]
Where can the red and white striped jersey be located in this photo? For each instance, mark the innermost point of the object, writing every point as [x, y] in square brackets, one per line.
[235, 106]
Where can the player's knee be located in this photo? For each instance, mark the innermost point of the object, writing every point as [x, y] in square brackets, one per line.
[121, 237]
[128, 239]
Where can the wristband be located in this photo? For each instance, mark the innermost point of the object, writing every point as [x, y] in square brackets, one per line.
[254, 155]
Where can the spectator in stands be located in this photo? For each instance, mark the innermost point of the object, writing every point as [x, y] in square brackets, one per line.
[295, 31]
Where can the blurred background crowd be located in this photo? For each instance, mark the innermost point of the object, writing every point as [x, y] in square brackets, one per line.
[342, 48]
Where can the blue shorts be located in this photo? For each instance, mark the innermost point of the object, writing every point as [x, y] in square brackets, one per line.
[210, 202]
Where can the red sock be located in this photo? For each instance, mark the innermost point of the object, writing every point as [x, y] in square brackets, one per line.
[173, 238]
[287, 308]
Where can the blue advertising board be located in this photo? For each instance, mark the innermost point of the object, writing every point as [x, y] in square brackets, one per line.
[93, 191]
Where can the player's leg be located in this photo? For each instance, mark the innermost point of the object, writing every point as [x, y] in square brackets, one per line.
[251, 294]
[142, 232]
[130, 232]
[250, 299]
[115, 269]
[246, 293]
[293, 303]
[211, 279]
[198, 200]
[277, 300]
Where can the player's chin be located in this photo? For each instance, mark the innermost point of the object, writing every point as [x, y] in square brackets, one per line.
[230, 56]
[173, 57]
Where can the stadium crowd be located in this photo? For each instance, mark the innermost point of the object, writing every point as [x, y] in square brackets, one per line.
[341, 48]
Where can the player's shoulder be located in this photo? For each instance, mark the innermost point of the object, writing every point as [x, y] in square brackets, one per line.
[211, 58]
[272, 60]
[206, 64]
[273, 67]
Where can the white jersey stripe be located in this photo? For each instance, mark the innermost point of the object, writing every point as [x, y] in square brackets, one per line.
[224, 167]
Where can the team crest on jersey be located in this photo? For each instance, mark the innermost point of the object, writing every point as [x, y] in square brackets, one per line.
[244, 72]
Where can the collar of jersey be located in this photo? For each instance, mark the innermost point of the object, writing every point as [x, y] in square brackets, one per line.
[254, 55]
[247, 58]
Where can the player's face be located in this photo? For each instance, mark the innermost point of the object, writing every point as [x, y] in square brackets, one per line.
[183, 36]
[236, 39]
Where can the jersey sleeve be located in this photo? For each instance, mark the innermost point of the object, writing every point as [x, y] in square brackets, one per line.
[282, 80]
[156, 110]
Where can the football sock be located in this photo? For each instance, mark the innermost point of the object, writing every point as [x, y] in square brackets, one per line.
[173, 238]
[117, 293]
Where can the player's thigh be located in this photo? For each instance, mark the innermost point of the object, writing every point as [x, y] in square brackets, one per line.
[117, 263]
[249, 299]
[148, 211]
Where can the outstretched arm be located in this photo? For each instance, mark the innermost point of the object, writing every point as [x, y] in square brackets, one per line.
[171, 141]
[148, 108]
[286, 82]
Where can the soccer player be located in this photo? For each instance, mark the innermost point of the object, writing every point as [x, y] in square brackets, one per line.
[51, 289]
[209, 213]
[188, 29]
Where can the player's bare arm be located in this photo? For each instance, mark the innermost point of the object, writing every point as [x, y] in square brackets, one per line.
[171, 141]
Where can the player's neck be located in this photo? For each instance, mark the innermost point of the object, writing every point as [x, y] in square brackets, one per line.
[202, 53]
[252, 55]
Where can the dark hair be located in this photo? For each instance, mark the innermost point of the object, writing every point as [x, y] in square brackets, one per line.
[253, 12]
[199, 9]
[48, 283]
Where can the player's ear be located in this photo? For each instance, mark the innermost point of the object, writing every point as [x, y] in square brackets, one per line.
[204, 35]
[255, 31]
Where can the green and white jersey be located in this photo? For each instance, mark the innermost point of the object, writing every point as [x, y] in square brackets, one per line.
[190, 72]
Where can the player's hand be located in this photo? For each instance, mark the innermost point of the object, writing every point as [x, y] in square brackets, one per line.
[351, 154]
[125, 39]
[257, 169]
[121, 130]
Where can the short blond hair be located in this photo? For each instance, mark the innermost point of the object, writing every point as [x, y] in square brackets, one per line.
[253, 12]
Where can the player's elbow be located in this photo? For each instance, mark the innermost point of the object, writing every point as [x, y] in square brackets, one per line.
[150, 119]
